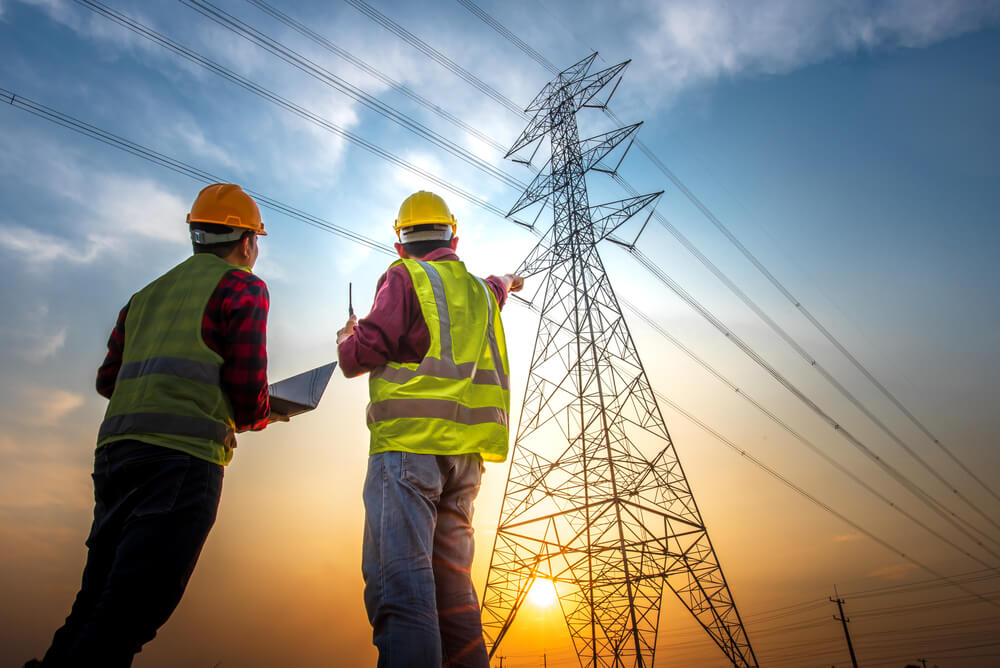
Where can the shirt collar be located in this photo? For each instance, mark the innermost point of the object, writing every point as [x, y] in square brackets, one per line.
[441, 255]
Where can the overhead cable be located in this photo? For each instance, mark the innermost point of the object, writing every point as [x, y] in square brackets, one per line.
[815, 364]
[435, 55]
[49, 114]
[892, 471]
[328, 78]
[333, 48]
[712, 218]
[803, 493]
[274, 98]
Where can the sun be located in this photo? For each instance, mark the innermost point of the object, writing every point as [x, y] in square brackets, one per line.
[543, 593]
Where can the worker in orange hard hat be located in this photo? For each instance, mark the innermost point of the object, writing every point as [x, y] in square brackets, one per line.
[186, 370]
[439, 384]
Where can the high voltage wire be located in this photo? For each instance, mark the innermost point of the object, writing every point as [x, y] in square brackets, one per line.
[436, 55]
[517, 41]
[191, 55]
[892, 471]
[811, 361]
[514, 39]
[795, 434]
[931, 501]
[801, 492]
[804, 311]
[330, 46]
[300, 62]
[155, 157]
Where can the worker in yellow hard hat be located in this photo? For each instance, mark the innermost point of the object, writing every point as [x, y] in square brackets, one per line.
[186, 370]
[439, 384]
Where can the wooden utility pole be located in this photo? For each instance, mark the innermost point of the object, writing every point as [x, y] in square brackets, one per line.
[847, 634]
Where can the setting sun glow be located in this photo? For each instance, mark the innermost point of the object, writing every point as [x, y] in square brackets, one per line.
[542, 593]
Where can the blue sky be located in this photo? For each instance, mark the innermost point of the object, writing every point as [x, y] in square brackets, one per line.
[850, 145]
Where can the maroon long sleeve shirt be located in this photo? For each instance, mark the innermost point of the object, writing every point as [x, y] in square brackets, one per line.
[395, 330]
[234, 326]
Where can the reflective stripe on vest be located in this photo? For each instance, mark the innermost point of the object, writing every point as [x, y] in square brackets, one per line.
[165, 423]
[168, 391]
[412, 405]
[435, 408]
[172, 366]
[446, 367]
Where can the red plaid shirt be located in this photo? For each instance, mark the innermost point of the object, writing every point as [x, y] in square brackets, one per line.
[235, 327]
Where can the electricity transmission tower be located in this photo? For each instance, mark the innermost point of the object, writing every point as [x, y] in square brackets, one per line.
[584, 505]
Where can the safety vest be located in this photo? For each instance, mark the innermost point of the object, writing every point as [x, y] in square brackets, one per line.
[169, 390]
[457, 399]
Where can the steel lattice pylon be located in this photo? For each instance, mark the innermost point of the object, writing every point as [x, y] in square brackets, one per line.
[583, 505]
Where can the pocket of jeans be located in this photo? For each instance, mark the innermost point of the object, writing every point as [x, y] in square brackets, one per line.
[161, 491]
[421, 472]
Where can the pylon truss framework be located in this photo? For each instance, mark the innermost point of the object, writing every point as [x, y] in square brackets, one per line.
[584, 505]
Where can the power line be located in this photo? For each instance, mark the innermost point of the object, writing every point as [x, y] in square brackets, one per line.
[892, 471]
[815, 364]
[330, 46]
[805, 312]
[321, 74]
[274, 98]
[175, 165]
[435, 55]
[803, 493]
[514, 39]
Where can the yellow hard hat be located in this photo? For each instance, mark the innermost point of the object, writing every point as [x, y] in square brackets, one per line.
[226, 204]
[424, 208]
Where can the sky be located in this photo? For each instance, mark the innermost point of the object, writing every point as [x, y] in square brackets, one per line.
[849, 146]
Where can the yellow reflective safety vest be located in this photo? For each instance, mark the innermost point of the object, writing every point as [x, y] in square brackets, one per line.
[457, 399]
[169, 390]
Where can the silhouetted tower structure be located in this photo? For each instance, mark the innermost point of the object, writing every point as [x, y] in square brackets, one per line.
[585, 505]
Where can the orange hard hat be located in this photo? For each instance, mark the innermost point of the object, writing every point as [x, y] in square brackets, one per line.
[226, 204]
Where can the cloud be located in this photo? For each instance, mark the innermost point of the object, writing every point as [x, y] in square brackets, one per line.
[117, 211]
[47, 406]
[196, 140]
[43, 247]
[848, 538]
[32, 335]
[688, 42]
[895, 572]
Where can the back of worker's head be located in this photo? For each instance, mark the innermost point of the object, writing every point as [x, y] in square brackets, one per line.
[425, 224]
[221, 218]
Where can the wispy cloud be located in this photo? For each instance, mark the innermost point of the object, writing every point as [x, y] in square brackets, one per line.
[848, 538]
[44, 247]
[44, 406]
[121, 211]
[895, 572]
[33, 334]
[689, 42]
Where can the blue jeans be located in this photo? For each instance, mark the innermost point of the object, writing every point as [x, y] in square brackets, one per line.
[417, 560]
[153, 510]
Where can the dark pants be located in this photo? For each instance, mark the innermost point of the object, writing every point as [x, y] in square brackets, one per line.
[154, 508]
